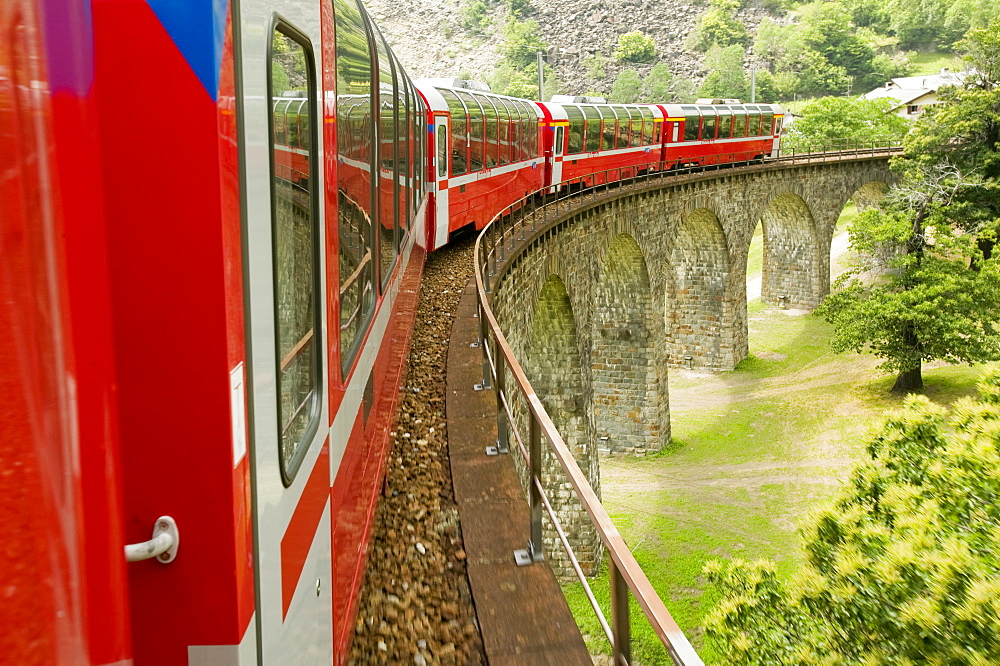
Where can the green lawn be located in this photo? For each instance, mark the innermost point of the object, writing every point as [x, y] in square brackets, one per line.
[932, 63]
[753, 451]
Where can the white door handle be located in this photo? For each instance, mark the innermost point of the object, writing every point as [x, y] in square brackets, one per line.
[163, 545]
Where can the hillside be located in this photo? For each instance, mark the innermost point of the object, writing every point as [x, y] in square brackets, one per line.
[430, 41]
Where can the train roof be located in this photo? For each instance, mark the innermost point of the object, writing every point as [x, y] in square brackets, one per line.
[431, 90]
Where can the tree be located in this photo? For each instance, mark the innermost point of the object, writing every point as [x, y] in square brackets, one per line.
[521, 42]
[474, 17]
[902, 568]
[635, 46]
[726, 76]
[627, 87]
[719, 25]
[829, 120]
[940, 297]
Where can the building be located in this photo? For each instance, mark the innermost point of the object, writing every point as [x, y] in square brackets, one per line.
[912, 94]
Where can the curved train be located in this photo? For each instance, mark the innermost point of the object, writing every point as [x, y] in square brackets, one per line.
[213, 224]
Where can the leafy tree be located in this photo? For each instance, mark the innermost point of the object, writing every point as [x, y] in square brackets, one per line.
[660, 85]
[940, 297]
[904, 566]
[635, 46]
[475, 17]
[509, 80]
[627, 87]
[726, 76]
[518, 7]
[831, 119]
[965, 132]
[719, 25]
[595, 67]
[521, 42]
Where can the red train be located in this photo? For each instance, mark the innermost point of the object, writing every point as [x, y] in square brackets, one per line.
[206, 298]
[491, 150]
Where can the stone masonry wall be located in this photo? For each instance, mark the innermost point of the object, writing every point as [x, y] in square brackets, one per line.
[648, 277]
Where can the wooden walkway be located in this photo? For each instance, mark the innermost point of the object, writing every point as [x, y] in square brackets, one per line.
[522, 613]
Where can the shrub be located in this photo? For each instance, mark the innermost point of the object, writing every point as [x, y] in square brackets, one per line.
[635, 46]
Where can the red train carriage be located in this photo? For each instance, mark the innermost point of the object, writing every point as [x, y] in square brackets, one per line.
[487, 155]
[209, 306]
[600, 137]
[703, 135]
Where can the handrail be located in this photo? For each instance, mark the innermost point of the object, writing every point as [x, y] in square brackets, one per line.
[497, 242]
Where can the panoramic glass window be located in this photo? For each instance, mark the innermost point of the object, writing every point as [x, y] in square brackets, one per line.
[692, 119]
[357, 173]
[295, 247]
[388, 174]
[593, 134]
[608, 133]
[575, 130]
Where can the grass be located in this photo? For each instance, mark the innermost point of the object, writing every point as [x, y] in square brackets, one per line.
[933, 62]
[753, 452]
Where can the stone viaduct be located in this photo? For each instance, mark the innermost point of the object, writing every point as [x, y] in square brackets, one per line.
[603, 300]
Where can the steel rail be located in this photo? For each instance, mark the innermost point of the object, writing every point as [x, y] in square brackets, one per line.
[626, 574]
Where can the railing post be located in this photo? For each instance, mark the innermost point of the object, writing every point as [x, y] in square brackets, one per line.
[622, 648]
[535, 439]
[503, 427]
[484, 344]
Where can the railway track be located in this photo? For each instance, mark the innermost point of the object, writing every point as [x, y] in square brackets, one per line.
[415, 605]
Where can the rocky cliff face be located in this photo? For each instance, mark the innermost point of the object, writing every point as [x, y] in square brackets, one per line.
[428, 37]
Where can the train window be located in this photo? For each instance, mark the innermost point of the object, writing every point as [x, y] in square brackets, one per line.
[388, 174]
[609, 127]
[592, 134]
[621, 135]
[294, 222]
[754, 129]
[725, 122]
[708, 124]
[402, 154]
[459, 133]
[739, 123]
[647, 125]
[777, 125]
[490, 120]
[530, 125]
[280, 122]
[767, 121]
[692, 119]
[356, 182]
[503, 133]
[419, 134]
[635, 128]
[475, 130]
[442, 151]
[517, 118]
[575, 130]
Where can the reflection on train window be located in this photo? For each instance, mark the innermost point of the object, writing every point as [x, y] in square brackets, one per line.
[708, 126]
[647, 125]
[357, 179]
[593, 132]
[739, 123]
[691, 120]
[296, 247]
[387, 184]
[575, 130]
[442, 151]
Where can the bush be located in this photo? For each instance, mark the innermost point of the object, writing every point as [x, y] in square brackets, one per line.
[521, 42]
[475, 17]
[635, 46]
[627, 87]
[904, 568]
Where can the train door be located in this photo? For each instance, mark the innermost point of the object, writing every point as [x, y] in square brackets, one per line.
[441, 152]
[558, 145]
[281, 58]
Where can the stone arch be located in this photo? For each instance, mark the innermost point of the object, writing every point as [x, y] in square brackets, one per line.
[555, 370]
[697, 276]
[791, 258]
[870, 194]
[624, 378]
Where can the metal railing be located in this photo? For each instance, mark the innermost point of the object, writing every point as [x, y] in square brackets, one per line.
[497, 245]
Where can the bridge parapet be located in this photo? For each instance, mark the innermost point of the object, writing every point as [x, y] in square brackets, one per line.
[601, 290]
